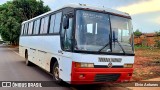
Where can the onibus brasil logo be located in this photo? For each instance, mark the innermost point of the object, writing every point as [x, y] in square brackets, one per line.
[21, 84]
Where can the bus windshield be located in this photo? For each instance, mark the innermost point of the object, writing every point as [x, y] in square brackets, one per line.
[94, 30]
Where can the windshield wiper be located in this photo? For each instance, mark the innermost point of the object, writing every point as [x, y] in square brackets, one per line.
[104, 45]
[116, 40]
[120, 46]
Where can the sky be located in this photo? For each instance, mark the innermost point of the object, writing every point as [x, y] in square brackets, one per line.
[145, 13]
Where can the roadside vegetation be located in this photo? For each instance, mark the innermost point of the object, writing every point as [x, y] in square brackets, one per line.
[147, 63]
[143, 43]
[157, 39]
[147, 59]
[13, 13]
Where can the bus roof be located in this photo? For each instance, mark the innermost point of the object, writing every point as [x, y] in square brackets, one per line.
[83, 6]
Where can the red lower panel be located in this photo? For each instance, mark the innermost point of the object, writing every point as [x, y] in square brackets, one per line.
[88, 75]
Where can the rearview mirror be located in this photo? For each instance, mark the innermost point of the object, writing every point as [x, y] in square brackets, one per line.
[114, 36]
[66, 23]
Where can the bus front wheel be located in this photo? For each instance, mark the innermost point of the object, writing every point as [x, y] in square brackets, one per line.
[55, 73]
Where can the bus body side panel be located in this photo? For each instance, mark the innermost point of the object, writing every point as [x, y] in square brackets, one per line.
[22, 51]
[40, 51]
[65, 66]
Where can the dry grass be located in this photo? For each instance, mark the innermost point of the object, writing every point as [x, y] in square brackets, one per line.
[147, 64]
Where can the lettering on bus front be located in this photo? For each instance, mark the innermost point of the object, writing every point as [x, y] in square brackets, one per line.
[110, 59]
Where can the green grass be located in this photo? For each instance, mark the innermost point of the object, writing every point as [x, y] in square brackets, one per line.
[141, 47]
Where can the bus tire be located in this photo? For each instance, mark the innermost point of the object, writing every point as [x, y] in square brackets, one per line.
[28, 63]
[55, 72]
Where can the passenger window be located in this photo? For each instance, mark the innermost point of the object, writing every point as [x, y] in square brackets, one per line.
[26, 29]
[52, 23]
[44, 25]
[30, 28]
[22, 29]
[57, 22]
[36, 26]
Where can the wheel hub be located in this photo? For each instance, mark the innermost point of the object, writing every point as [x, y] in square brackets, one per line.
[56, 73]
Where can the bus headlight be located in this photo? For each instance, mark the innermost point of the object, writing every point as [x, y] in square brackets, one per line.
[84, 65]
[128, 65]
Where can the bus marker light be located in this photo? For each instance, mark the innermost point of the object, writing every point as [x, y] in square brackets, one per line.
[84, 65]
[128, 65]
[77, 65]
[129, 74]
[81, 76]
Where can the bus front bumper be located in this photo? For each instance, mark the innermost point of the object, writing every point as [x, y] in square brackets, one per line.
[100, 75]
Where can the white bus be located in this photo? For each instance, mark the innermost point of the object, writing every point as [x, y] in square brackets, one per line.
[80, 44]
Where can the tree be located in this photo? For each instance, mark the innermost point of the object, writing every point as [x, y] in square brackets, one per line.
[13, 13]
[137, 33]
[28, 9]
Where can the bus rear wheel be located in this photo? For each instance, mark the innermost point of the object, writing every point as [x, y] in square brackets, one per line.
[55, 72]
[28, 63]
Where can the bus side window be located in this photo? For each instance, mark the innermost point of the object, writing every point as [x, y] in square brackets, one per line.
[26, 29]
[22, 29]
[36, 27]
[52, 23]
[67, 36]
[57, 22]
[44, 25]
[30, 28]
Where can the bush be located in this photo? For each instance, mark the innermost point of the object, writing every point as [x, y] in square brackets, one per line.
[157, 44]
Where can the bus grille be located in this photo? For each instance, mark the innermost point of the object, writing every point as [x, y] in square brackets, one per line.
[105, 66]
[106, 77]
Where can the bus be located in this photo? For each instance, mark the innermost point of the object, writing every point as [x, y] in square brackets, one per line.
[80, 44]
